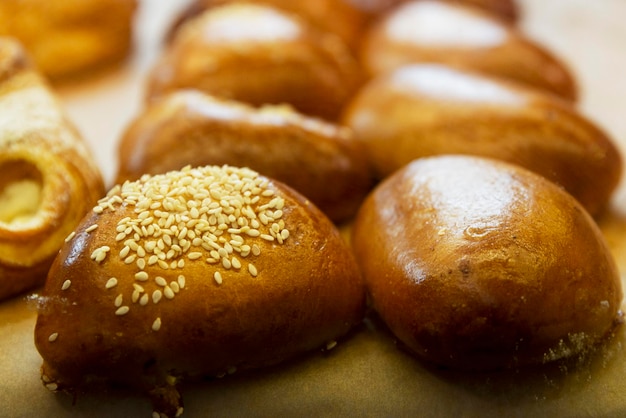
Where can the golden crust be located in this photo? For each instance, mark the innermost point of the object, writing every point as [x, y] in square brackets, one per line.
[320, 160]
[424, 110]
[258, 55]
[274, 295]
[49, 179]
[451, 34]
[71, 36]
[478, 264]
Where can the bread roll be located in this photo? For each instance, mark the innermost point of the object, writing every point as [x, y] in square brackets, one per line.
[194, 273]
[320, 160]
[424, 110]
[427, 31]
[69, 37]
[48, 179]
[258, 55]
[345, 18]
[477, 264]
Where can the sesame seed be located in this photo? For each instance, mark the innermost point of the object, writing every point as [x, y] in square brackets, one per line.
[111, 283]
[52, 386]
[118, 300]
[252, 270]
[66, 284]
[160, 281]
[181, 281]
[122, 310]
[168, 292]
[218, 277]
[53, 337]
[331, 344]
[144, 299]
[70, 236]
[175, 287]
[92, 228]
[156, 296]
[156, 325]
[142, 276]
[194, 255]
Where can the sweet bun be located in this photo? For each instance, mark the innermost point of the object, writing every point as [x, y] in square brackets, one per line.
[194, 273]
[48, 178]
[320, 160]
[344, 18]
[258, 55]
[70, 37]
[426, 31]
[423, 110]
[478, 264]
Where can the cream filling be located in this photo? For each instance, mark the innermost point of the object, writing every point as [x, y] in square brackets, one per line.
[20, 201]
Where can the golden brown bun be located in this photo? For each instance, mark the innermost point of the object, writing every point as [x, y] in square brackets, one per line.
[48, 179]
[231, 291]
[424, 110]
[320, 160]
[507, 10]
[436, 32]
[344, 18]
[70, 36]
[258, 55]
[477, 264]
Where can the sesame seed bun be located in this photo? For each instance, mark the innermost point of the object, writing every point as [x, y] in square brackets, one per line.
[194, 273]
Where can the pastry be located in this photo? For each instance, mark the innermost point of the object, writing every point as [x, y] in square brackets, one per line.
[424, 110]
[345, 18]
[48, 179]
[477, 264]
[258, 55]
[427, 31]
[70, 37]
[194, 273]
[320, 160]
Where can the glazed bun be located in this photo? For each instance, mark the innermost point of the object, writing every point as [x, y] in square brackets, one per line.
[194, 273]
[319, 159]
[258, 55]
[426, 31]
[70, 37]
[425, 110]
[344, 18]
[477, 264]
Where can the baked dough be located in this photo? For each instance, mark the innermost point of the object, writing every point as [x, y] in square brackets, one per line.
[258, 55]
[426, 31]
[424, 110]
[320, 160]
[48, 178]
[194, 273]
[478, 264]
[70, 37]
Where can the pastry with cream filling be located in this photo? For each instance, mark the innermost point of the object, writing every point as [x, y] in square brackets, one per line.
[48, 177]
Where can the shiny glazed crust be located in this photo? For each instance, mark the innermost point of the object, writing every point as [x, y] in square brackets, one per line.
[320, 160]
[194, 273]
[48, 179]
[69, 37]
[435, 32]
[258, 55]
[478, 264]
[424, 110]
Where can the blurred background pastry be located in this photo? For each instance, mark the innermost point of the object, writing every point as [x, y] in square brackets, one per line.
[321, 160]
[70, 37]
